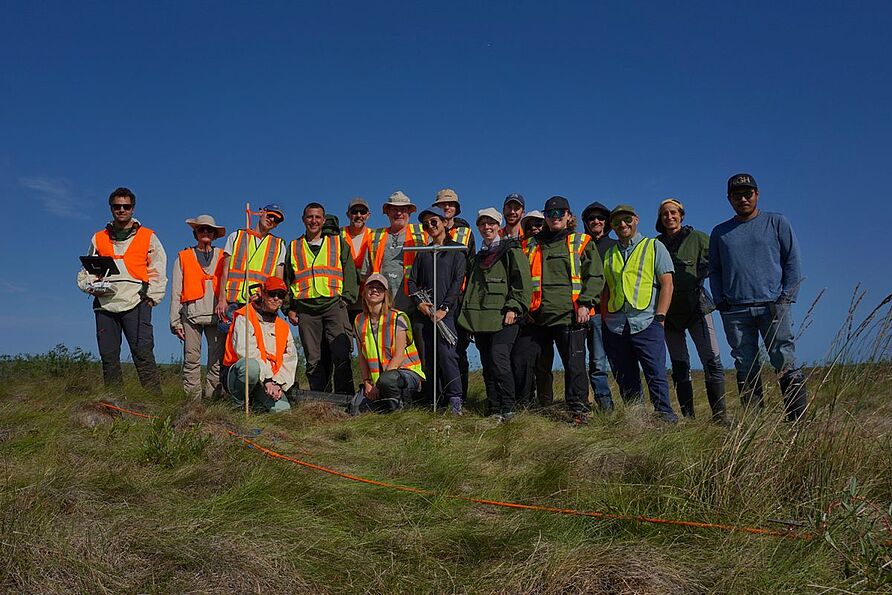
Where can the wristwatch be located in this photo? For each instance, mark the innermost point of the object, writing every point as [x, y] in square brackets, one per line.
[660, 317]
[444, 308]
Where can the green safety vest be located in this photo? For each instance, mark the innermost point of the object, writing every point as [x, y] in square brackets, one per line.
[632, 280]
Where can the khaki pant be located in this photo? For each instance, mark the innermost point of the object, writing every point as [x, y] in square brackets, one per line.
[192, 358]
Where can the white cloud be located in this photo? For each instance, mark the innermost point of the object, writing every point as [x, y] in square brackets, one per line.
[55, 196]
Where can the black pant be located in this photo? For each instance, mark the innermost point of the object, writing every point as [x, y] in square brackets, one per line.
[495, 355]
[570, 341]
[136, 324]
[327, 347]
[448, 375]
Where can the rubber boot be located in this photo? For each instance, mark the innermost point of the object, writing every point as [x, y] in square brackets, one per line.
[795, 395]
[684, 390]
[715, 393]
[751, 393]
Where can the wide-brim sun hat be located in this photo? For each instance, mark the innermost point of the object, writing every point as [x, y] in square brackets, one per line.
[209, 221]
[399, 199]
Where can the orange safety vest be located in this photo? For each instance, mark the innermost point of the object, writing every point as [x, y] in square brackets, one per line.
[358, 256]
[282, 331]
[377, 348]
[576, 243]
[194, 276]
[239, 270]
[462, 235]
[136, 257]
[309, 268]
[415, 236]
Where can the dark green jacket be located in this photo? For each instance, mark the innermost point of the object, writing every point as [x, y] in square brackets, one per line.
[557, 298]
[315, 306]
[493, 289]
[690, 256]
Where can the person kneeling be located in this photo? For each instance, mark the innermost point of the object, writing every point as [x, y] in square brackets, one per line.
[272, 358]
[388, 358]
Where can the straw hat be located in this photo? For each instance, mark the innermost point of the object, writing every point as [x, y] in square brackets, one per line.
[209, 221]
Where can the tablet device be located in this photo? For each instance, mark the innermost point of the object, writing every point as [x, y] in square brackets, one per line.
[101, 266]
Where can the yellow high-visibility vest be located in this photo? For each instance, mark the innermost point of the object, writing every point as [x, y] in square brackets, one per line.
[576, 243]
[632, 280]
[316, 275]
[377, 348]
[245, 271]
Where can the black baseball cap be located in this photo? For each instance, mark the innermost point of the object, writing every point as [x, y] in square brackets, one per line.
[556, 202]
[741, 181]
[515, 197]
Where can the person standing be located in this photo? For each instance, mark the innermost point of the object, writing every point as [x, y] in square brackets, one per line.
[497, 297]
[594, 216]
[388, 359]
[450, 277]
[321, 276]
[459, 230]
[567, 277]
[637, 296]
[125, 304]
[250, 256]
[193, 293]
[513, 210]
[691, 311]
[271, 363]
[358, 236]
[754, 274]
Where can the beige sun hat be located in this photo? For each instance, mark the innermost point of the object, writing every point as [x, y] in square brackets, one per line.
[448, 195]
[491, 213]
[209, 221]
[398, 199]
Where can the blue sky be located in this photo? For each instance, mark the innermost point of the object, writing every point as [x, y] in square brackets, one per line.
[200, 106]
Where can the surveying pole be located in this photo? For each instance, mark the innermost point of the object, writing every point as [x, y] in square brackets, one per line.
[435, 249]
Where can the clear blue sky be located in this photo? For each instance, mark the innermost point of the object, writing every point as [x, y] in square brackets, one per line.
[200, 106]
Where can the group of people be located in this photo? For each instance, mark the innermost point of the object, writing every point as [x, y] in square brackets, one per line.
[539, 279]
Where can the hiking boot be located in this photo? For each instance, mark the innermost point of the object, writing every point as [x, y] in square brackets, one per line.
[581, 419]
[507, 416]
[795, 394]
[455, 406]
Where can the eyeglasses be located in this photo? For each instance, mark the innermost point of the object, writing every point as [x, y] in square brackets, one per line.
[277, 295]
[205, 229]
[618, 221]
[747, 194]
[121, 207]
[359, 211]
[555, 213]
[593, 218]
[432, 223]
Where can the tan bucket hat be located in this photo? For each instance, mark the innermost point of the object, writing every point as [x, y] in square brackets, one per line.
[448, 195]
[398, 199]
[209, 221]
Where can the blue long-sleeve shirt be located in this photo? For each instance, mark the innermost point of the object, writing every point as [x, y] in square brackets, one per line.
[754, 261]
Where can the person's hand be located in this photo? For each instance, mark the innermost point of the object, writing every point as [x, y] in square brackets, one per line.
[370, 389]
[150, 302]
[292, 318]
[273, 390]
[510, 317]
[425, 308]
[439, 315]
[180, 333]
[583, 315]
[220, 308]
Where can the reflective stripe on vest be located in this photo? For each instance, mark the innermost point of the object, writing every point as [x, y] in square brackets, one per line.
[576, 243]
[377, 349]
[415, 236]
[462, 235]
[257, 269]
[135, 257]
[282, 331]
[316, 275]
[195, 277]
[358, 256]
[631, 281]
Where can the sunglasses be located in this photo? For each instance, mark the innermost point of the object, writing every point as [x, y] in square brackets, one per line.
[121, 207]
[278, 295]
[618, 221]
[205, 229]
[273, 217]
[431, 223]
[743, 193]
[359, 211]
[536, 223]
[555, 213]
[597, 218]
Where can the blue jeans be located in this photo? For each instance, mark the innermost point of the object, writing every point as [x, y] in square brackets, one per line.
[259, 400]
[773, 322]
[598, 366]
[647, 348]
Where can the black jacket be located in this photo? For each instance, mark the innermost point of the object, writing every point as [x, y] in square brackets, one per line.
[451, 266]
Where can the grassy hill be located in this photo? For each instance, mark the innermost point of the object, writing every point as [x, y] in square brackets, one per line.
[96, 502]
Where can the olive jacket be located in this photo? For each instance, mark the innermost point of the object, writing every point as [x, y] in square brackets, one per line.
[689, 250]
[498, 281]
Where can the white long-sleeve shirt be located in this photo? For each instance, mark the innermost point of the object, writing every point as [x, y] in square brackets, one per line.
[286, 373]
